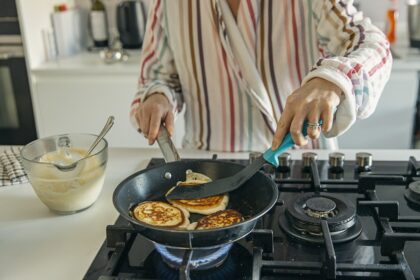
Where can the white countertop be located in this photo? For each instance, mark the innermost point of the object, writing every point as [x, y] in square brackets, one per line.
[90, 63]
[406, 58]
[38, 244]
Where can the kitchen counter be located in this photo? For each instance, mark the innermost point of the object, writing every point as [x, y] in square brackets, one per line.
[90, 63]
[405, 58]
[38, 244]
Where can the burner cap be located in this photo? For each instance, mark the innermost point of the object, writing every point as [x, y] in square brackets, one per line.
[320, 207]
[412, 195]
[303, 215]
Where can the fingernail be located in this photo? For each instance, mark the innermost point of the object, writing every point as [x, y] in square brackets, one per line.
[275, 145]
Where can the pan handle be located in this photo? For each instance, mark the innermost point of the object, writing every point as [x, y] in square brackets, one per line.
[166, 145]
[184, 269]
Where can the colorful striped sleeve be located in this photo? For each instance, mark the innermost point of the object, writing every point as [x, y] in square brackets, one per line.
[355, 56]
[158, 73]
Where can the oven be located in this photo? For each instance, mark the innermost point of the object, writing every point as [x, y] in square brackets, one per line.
[17, 123]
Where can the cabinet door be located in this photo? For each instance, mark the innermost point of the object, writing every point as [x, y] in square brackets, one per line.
[391, 125]
[83, 103]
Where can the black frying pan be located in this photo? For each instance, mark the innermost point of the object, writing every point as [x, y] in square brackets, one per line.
[257, 196]
[252, 200]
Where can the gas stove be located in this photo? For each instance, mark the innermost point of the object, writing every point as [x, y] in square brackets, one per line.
[333, 219]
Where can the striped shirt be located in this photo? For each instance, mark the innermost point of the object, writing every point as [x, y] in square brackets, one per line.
[233, 75]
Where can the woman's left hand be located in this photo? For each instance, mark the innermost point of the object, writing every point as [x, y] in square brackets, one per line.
[314, 101]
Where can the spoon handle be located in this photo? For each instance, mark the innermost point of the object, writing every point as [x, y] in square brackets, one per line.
[107, 127]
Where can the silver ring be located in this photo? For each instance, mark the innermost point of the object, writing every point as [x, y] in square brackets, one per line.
[313, 125]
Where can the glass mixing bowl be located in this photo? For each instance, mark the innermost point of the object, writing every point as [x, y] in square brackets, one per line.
[66, 191]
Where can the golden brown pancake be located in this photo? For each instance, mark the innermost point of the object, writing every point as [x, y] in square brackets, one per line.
[206, 205]
[161, 214]
[220, 219]
[195, 176]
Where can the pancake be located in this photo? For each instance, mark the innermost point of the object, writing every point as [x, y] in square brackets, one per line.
[220, 219]
[205, 206]
[161, 214]
[192, 226]
[195, 176]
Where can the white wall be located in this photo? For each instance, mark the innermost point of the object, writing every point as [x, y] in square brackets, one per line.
[376, 9]
[34, 16]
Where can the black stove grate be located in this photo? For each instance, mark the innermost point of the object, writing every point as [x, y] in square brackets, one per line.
[381, 251]
[386, 213]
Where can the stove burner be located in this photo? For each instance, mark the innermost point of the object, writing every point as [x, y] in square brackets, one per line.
[303, 214]
[412, 195]
[236, 266]
[415, 187]
[320, 207]
[202, 259]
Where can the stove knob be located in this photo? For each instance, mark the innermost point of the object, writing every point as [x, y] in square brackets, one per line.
[307, 158]
[336, 161]
[253, 156]
[284, 162]
[364, 161]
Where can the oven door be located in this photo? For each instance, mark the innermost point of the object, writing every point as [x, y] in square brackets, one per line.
[9, 23]
[17, 124]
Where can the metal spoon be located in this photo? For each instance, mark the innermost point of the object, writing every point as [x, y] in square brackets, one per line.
[66, 168]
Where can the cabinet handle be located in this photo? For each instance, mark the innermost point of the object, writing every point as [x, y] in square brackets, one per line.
[6, 56]
[8, 19]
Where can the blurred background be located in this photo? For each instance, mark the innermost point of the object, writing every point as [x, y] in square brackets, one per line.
[65, 62]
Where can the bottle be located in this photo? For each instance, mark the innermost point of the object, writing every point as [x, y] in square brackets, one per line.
[391, 21]
[357, 5]
[98, 24]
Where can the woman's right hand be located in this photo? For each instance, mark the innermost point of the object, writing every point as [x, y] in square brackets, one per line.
[156, 109]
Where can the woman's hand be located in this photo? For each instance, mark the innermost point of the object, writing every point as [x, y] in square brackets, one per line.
[315, 100]
[155, 110]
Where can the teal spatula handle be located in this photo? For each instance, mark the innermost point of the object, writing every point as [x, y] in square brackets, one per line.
[272, 156]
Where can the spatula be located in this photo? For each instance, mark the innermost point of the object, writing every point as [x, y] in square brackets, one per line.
[231, 183]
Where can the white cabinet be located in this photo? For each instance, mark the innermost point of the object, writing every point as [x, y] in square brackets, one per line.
[72, 100]
[82, 102]
[391, 125]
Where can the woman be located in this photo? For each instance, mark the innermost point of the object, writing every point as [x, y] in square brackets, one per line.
[250, 71]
